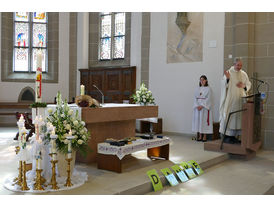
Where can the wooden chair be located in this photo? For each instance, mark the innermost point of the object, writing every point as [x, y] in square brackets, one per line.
[28, 124]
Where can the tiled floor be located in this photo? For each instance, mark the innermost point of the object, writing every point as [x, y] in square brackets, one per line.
[230, 177]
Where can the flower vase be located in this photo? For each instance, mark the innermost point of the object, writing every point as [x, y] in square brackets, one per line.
[63, 164]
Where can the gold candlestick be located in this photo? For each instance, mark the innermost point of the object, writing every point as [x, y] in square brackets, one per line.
[53, 177]
[18, 180]
[68, 182]
[38, 183]
[24, 182]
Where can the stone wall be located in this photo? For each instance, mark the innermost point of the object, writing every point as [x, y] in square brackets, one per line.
[251, 36]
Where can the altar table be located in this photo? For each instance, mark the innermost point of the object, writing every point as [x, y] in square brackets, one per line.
[116, 121]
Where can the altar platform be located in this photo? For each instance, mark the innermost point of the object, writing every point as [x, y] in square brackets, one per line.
[132, 181]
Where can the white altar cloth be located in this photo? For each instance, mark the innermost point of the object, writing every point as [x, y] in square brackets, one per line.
[139, 144]
[43, 111]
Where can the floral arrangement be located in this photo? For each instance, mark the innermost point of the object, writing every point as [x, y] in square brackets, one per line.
[64, 121]
[143, 96]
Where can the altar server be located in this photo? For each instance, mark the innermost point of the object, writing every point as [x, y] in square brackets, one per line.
[202, 112]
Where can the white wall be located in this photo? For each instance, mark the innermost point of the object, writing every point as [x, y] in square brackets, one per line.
[9, 91]
[82, 45]
[173, 85]
[135, 44]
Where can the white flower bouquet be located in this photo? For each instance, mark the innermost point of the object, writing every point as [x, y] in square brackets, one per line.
[143, 96]
[64, 121]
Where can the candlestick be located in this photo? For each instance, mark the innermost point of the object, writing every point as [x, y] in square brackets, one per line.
[19, 179]
[68, 181]
[38, 180]
[24, 182]
[53, 177]
[82, 89]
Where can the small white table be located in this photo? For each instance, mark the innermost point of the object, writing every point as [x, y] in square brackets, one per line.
[110, 157]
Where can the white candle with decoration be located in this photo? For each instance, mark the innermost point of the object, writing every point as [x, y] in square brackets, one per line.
[21, 124]
[24, 144]
[82, 89]
[69, 138]
[38, 85]
[53, 137]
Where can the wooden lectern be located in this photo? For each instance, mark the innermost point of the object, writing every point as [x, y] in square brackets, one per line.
[251, 131]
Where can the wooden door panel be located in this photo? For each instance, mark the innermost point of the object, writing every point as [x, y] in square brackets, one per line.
[116, 83]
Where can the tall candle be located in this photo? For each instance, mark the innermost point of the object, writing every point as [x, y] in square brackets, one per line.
[21, 124]
[38, 85]
[82, 89]
[69, 149]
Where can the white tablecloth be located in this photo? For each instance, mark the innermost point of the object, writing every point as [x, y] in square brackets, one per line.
[139, 144]
[44, 111]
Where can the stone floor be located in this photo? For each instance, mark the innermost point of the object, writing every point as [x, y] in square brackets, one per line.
[230, 177]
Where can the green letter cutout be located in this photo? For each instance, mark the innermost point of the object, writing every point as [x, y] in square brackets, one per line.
[196, 166]
[155, 179]
[170, 176]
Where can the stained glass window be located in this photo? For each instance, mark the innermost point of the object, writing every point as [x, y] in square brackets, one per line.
[21, 16]
[119, 47]
[39, 35]
[30, 34]
[40, 17]
[21, 59]
[21, 35]
[112, 35]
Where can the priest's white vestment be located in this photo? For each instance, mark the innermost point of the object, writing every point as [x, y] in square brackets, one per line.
[202, 120]
[231, 100]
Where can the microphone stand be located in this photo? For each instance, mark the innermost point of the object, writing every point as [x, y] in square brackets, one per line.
[100, 92]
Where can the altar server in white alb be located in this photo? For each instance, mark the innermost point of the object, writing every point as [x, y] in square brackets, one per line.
[202, 112]
[234, 85]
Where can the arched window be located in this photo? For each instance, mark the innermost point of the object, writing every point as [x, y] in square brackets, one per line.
[112, 36]
[30, 35]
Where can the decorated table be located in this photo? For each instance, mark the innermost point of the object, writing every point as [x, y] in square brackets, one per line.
[109, 157]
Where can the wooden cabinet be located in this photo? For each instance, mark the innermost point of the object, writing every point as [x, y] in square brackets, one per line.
[116, 83]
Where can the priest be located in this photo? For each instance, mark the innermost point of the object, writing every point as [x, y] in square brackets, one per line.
[234, 85]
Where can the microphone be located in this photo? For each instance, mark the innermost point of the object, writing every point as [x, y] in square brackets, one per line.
[100, 92]
[258, 80]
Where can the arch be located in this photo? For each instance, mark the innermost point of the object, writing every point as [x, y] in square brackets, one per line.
[27, 94]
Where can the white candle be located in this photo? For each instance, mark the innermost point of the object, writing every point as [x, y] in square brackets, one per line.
[39, 164]
[82, 89]
[38, 85]
[70, 133]
[69, 149]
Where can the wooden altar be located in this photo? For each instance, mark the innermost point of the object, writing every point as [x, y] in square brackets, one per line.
[115, 121]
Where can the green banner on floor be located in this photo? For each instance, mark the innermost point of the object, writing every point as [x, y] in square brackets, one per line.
[155, 179]
[170, 176]
[196, 166]
[187, 168]
[180, 173]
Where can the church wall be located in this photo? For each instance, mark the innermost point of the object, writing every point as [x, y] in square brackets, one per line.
[173, 84]
[9, 91]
